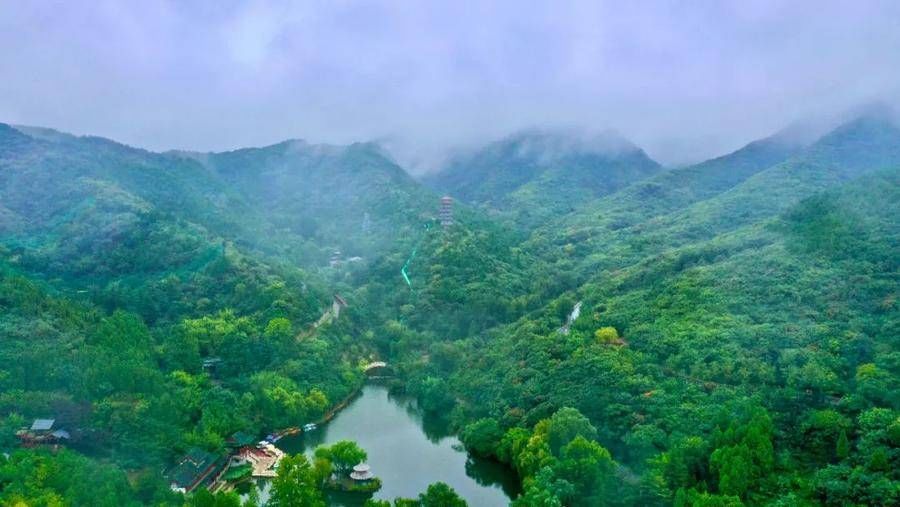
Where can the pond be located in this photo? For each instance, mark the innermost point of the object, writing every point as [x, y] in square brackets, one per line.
[407, 451]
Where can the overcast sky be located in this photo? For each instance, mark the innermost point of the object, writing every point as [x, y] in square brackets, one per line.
[683, 79]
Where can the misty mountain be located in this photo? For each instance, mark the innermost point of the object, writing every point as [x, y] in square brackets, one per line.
[759, 282]
[698, 202]
[354, 198]
[136, 230]
[536, 174]
[292, 198]
[766, 274]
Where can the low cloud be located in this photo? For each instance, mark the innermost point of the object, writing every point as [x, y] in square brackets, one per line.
[684, 81]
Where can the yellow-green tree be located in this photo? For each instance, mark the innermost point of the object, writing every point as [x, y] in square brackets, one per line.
[607, 334]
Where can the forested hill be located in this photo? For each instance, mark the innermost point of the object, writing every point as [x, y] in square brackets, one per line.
[685, 205]
[736, 342]
[537, 174]
[153, 303]
[121, 272]
[298, 201]
[353, 197]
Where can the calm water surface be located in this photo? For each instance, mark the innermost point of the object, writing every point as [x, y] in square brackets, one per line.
[407, 452]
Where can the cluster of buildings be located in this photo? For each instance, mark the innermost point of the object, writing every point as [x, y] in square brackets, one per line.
[199, 468]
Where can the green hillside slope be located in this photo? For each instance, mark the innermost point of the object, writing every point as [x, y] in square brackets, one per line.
[740, 349]
[735, 340]
[536, 175]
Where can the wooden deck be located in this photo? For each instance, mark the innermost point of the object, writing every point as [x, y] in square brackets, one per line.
[263, 459]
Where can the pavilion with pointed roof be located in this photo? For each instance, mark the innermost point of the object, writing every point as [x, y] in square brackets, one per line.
[361, 472]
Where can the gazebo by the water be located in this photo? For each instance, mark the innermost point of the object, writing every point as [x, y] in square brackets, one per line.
[361, 472]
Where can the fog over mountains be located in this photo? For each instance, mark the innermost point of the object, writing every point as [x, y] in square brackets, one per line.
[686, 83]
[260, 253]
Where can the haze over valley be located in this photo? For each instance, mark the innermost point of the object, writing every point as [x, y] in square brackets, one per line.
[363, 255]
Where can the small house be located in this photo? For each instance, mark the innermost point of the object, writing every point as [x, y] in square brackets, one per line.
[42, 431]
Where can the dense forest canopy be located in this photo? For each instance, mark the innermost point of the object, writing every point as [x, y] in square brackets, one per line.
[737, 339]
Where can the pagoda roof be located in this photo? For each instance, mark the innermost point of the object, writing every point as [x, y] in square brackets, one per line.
[361, 476]
[195, 466]
[241, 439]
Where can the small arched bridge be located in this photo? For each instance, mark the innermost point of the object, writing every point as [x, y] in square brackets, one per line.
[374, 365]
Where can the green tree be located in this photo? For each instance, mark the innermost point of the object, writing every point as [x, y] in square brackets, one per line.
[343, 455]
[482, 436]
[440, 494]
[535, 454]
[734, 467]
[252, 498]
[693, 498]
[606, 334]
[545, 489]
[877, 385]
[590, 469]
[296, 484]
[8, 427]
[278, 329]
[821, 429]
[434, 397]
[744, 453]
[685, 464]
[512, 444]
[843, 446]
[203, 498]
[566, 424]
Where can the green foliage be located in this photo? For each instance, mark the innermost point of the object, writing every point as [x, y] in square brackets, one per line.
[66, 478]
[606, 334]
[535, 175]
[567, 424]
[152, 302]
[590, 469]
[842, 449]
[580, 472]
[343, 455]
[298, 484]
[441, 495]
[482, 437]
[694, 498]
[203, 498]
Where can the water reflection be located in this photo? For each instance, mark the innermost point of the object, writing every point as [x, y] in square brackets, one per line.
[408, 451]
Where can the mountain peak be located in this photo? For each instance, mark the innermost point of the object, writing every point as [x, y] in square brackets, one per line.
[550, 170]
[870, 123]
[868, 141]
[554, 143]
[11, 136]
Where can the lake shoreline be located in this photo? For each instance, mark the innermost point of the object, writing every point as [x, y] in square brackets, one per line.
[407, 450]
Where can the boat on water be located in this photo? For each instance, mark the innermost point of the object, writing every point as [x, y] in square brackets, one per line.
[309, 427]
